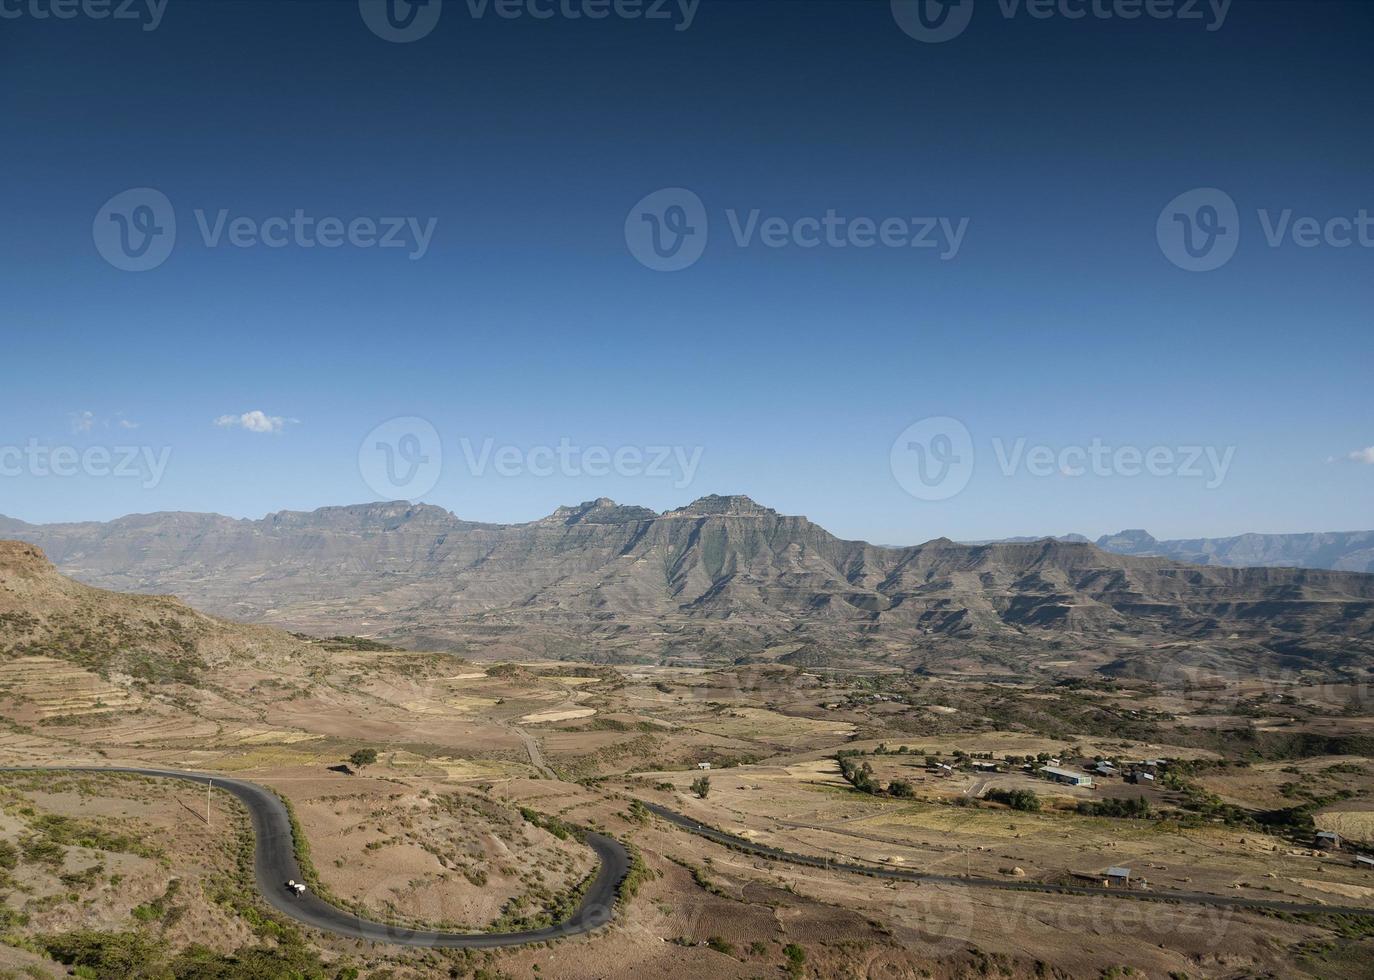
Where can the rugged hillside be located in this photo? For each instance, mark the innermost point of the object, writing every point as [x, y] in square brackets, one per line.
[149, 638]
[722, 577]
[69, 651]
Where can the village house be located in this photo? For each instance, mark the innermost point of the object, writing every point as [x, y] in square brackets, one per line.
[1119, 877]
[1066, 776]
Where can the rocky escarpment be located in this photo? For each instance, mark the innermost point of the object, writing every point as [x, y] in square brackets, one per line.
[721, 577]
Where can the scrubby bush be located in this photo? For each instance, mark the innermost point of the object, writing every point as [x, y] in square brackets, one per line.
[1017, 799]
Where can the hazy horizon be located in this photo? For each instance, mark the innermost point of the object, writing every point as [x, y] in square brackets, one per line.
[1092, 536]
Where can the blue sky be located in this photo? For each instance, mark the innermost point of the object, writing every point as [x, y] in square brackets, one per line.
[786, 373]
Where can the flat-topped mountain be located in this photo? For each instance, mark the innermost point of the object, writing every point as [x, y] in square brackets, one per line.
[721, 577]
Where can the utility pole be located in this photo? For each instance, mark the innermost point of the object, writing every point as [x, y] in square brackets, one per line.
[208, 784]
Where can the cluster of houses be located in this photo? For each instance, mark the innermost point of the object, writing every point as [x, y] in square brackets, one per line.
[1141, 772]
[857, 699]
[1138, 772]
[977, 765]
[1053, 769]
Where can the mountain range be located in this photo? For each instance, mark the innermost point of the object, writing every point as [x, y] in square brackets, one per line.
[1346, 551]
[722, 578]
[1349, 551]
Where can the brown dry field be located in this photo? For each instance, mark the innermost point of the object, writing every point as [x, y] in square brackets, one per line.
[431, 833]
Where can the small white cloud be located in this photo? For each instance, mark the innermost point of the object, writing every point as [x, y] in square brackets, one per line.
[128, 424]
[82, 421]
[1365, 455]
[254, 421]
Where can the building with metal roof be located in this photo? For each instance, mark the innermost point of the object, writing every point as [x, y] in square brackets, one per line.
[1066, 776]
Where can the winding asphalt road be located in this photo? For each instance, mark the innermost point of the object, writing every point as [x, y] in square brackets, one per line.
[275, 863]
[875, 871]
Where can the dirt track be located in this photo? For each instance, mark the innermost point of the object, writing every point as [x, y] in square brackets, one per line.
[1178, 897]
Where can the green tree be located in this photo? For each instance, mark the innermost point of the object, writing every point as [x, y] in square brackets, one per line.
[363, 757]
[701, 786]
